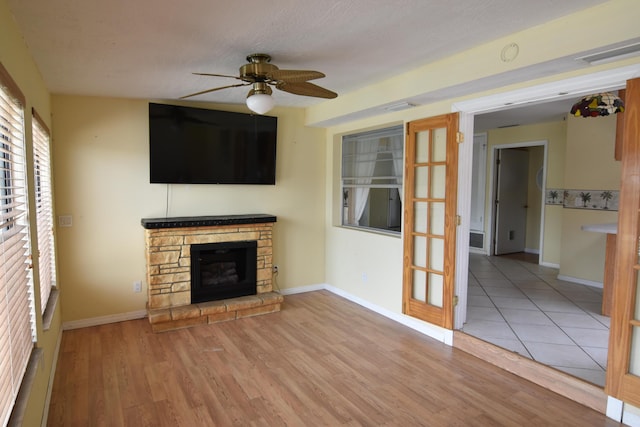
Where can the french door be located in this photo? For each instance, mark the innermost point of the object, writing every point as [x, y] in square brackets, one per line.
[623, 370]
[431, 174]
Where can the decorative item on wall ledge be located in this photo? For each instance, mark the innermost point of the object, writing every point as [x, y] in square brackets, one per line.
[606, 200]
[598, 104]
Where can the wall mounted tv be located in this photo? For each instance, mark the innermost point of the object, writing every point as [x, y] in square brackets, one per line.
[199, 146]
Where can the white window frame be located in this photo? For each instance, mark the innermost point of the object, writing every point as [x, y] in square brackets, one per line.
[44, 209]
[364, 155]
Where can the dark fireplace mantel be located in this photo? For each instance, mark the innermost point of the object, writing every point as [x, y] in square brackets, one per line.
[205, 221]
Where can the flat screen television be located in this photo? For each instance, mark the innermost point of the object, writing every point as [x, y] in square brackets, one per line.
[199, 146]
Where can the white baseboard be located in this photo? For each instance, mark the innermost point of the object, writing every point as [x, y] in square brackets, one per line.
[303, 289]
[550, 265]
[532, 251]
[436, 332]
[580, 281]
[103, 320]
[479, 251]
[630, 419]
[615, 408]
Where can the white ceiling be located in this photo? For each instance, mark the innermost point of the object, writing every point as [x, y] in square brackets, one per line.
[149, 48]
[524, 115]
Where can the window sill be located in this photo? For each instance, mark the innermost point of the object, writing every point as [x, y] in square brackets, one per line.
[20, 407]
[47, 317]
[388, 233]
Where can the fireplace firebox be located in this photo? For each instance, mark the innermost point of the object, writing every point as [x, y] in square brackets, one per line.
[223, 270]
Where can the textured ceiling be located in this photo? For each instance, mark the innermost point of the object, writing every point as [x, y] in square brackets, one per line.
[149, 48]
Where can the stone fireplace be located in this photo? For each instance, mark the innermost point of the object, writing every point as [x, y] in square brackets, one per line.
[169, 246]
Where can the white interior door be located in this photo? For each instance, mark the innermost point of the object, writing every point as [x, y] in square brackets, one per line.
[511, 200]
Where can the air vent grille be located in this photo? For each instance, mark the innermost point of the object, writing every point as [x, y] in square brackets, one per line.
[476, 240]
[611, 54]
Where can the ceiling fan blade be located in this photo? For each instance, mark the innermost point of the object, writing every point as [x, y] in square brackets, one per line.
[295, 76]
[213, 90]
[217, 75]
[306, 89]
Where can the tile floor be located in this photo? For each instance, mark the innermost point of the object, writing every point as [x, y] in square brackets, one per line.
[523, 307]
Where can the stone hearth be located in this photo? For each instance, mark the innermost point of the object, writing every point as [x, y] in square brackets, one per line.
[168, 242]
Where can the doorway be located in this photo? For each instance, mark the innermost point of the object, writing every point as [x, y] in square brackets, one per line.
[517, 198]
[510, 203]
[548, 94]
[520, 306]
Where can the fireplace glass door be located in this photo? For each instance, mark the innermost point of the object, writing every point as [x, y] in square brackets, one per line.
[223, 270]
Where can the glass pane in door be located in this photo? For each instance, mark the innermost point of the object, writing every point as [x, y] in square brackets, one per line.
[438, 181]
[436, 254]
[436, 218]
[421, 182]
[420, 222]
[634, 362]
[439, 149]
[419, 288]
[422, 147]
[420, 251]
[436, 283]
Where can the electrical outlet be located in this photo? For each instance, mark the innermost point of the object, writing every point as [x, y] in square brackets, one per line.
[137, 286]
[275, 269]
[364, 277]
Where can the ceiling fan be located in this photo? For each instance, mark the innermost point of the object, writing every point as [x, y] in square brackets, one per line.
[260, 74]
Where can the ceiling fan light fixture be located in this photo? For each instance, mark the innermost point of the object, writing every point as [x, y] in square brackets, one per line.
[598, 104]
[260, 103]
[259, 98]
[259, 74]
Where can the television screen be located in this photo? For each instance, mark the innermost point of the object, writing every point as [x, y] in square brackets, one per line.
[199, 146]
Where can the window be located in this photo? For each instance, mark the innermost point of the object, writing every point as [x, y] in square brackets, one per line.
[44, 209]
[16, 291]
[372, 165]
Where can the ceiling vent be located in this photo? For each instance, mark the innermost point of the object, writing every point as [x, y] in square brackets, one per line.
[611, 54]
[399, 106]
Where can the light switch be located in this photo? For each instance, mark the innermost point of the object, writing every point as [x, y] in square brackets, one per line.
[65, 220]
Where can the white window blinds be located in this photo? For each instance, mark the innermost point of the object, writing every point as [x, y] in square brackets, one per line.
[44, 209]
[16, 296]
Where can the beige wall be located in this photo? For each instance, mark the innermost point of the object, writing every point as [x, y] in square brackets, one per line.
[15, 57]
[102, 181]
[589, 165]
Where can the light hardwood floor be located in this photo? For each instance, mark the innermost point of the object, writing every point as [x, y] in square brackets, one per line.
[322, 360]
